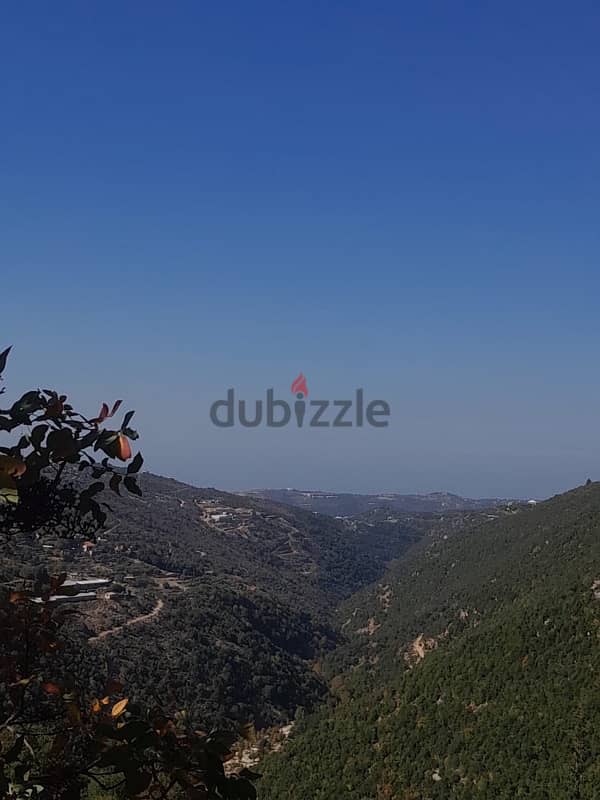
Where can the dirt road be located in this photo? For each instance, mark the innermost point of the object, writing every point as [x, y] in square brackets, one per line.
[133, 621]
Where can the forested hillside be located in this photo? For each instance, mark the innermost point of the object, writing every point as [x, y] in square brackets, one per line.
[221, 603]
[472, 670]
[348, 504]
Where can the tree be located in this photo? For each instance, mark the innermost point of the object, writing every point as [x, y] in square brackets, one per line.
[56, 736]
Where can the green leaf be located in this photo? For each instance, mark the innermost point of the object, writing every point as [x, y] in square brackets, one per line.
[131, 485]
[26, 405]
[136, 781]
[94, 489]
[61, 443]
[135, 729]
[127, 419]
[37, 435]
[136, 464]
[105, 440]
[3, 358]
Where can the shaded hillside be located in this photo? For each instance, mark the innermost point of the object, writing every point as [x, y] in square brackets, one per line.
[472, 670]
[347, 504]
[385, 535]
[203, 532]
[236, 595]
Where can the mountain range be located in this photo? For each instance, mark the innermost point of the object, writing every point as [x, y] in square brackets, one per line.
[348, 504]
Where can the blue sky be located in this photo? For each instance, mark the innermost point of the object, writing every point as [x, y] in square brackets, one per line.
[402, 197]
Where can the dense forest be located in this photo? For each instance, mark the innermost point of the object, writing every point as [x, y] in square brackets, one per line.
[471, 670]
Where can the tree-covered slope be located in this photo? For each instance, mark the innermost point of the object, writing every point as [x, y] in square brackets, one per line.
[231, 598]
[472, 671]
[346, 504]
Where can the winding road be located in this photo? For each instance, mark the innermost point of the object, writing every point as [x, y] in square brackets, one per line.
[133, 621]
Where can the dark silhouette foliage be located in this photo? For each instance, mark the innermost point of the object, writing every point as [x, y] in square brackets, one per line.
[57, 736]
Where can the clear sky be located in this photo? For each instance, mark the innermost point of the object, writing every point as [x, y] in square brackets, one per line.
[403, 197]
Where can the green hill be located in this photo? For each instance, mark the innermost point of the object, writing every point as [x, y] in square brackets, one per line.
[471, 670]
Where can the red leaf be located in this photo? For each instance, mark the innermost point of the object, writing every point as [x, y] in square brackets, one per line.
[105, 414]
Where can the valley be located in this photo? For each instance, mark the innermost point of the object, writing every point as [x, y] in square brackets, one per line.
[243, 592]
[401, 653]
[472, 669]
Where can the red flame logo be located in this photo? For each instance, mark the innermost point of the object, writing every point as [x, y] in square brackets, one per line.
[299, 385]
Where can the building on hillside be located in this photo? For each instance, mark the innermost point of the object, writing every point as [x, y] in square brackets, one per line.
[86, 589]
